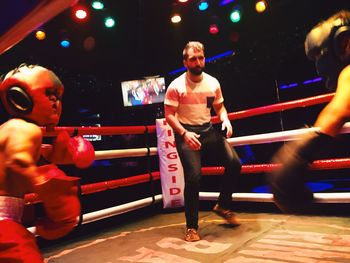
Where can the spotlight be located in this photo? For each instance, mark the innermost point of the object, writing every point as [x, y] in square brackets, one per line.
[260, 6]
[80, 13]
[175, 14]
[225, 2]
[97, 5]
[176, 18]
[64, 39]
[109, 22]
[213, 29]
[235, 16]
[65, 43]
[89, 43]
[40, 34]
[234, 36]
[214, 25]
[203, 5]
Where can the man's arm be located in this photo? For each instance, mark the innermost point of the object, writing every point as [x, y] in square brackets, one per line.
[337, 111]
[170, 112]
[221, 112]
[190, 138]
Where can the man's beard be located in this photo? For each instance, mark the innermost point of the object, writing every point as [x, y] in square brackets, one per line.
[196, 70]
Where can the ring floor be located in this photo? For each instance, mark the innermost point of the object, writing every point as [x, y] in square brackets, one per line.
[149, 235]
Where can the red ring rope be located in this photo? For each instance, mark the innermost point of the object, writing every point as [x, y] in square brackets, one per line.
[246, 169]
[111, 130]
[328, 164]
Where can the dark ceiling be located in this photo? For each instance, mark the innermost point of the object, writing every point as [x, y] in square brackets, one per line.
[269, 46]
[145, 42]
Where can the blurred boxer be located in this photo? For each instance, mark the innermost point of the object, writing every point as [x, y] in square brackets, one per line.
[31, 96]
[328, 45]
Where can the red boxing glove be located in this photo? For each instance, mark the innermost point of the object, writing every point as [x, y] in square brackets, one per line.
[83, 153]
[66, 150]
[58, 193]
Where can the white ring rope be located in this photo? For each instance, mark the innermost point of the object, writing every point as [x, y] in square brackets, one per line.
[343, 197]
[203, 196]
[237, 141]
[244, 140]
[114, 154]
[278, 136]
[327, 198]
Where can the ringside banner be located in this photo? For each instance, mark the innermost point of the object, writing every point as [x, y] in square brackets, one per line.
[170, 168]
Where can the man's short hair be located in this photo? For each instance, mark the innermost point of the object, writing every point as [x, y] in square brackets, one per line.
[195, 45]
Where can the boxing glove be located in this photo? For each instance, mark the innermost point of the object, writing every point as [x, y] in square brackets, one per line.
[67, 150]
[58, 193]
[287, 183]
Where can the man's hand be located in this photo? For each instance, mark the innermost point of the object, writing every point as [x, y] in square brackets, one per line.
[226, 124]
[191, 139]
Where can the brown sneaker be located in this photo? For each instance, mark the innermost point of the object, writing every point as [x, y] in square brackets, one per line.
[191, 235]
[227, 214]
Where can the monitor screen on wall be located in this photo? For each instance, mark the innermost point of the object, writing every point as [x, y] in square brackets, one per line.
[146, 91]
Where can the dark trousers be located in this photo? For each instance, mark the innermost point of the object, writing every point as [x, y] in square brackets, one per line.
[215, 147]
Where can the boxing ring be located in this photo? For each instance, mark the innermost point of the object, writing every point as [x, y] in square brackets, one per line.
[157, 236]
[153, 177]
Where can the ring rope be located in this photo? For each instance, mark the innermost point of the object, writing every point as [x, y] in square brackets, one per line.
[320, 164]
[246, 169]
[278, 107]
[119, 130]
[237, 141]
[149, 166]
[330, 164]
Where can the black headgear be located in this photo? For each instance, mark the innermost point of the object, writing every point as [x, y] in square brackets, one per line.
[322, 46]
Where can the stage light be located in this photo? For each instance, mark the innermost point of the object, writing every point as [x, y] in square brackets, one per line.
[65, 43]
[234, 36]
[235, 16]
[213, 29]
[260, 6]
[40, 35]
[225, 2]
[175, 14]
[183, 1]
[214, 25]
[175, 18]
[89, 43]
[203, 5]
[109, 22]
[80, 13]
[97, 5]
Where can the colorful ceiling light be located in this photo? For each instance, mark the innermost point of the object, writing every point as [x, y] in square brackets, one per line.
[261, 6]
[40, 34]
[109, 22]
[80, 13]
[176, 18]
[213, 29]
[235, 16]
[203, 5]
[97, 5]
[65, 43]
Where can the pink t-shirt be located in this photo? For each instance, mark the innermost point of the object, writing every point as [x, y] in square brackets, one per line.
[193, 99]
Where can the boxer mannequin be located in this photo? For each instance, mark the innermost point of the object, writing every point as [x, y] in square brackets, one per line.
[31, 96]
